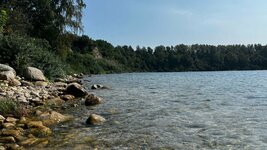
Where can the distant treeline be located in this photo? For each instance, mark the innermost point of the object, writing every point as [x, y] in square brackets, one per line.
[43, 34]
[181, 57]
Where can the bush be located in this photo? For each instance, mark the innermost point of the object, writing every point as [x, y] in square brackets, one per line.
[111, 66]
[21, 52]
[84, 63]
[10, 108]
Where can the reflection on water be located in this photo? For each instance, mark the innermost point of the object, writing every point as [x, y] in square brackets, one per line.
[193, 110]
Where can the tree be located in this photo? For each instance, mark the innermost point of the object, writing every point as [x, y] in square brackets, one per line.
[45, 18]
[3, 19]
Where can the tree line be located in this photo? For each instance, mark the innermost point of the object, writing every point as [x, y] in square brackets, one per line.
[184, 57]
[46, 34]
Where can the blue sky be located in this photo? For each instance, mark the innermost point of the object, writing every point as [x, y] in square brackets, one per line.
[172, 22]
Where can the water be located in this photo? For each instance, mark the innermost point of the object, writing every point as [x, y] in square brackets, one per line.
[191, 110]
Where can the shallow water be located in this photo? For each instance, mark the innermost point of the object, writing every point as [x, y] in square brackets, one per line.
[191, 110]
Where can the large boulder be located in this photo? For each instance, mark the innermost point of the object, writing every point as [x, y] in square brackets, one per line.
[94, 119]
[34, 74]
[92, 100]
[7, 75]
[6, 68]
[76, 90]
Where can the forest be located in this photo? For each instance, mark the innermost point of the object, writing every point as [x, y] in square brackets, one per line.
[48, 35]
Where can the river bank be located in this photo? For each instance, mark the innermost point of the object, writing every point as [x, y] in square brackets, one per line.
[31, 106]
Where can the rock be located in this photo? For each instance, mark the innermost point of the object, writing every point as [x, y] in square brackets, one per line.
[11, 120]
[41, 83]
[60, 84]
[6, 68]
[10, 93]
[8, 125]
[74, 81]
[22, 99]
[23, 120]
[41, 132]
[56, 102]
[3, 94]
[13, 147]
[26, 83]
[97, 86]
[27, 95]
[7, 75]
[11, 132]
[53, 117]
[34, 74]
[59, 80]
[35, 124]
[92, 100]
[8, 139]
[29, 141]
[76, 89]
[14, 82]
[2, 117]
[67, 97]
[34, 93]
[2, 148]
[18, 78]
[38, 129]
[94, 119]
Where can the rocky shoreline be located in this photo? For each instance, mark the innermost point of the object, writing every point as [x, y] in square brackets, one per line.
[38, 103]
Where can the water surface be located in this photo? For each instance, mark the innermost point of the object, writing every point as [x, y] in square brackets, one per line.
[190, 110]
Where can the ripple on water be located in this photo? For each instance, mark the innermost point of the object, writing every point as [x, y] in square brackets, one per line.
[192, 110]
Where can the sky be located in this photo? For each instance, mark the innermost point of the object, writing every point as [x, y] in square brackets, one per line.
[171, 22]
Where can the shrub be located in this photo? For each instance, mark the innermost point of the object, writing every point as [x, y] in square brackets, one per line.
[21, 52]
[84, 63]
[9, 107]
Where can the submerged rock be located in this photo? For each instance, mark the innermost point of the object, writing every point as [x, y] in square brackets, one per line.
[53, 117]
[94, 119]
[76, 89]
[98, 86]
[38, 129]
[92, 100]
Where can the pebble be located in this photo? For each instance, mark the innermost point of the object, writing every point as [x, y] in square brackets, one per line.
[11, 120]
[8, 125]
[9, 139]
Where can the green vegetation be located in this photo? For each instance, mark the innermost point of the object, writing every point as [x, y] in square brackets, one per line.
[43, 34]
[10, 108]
